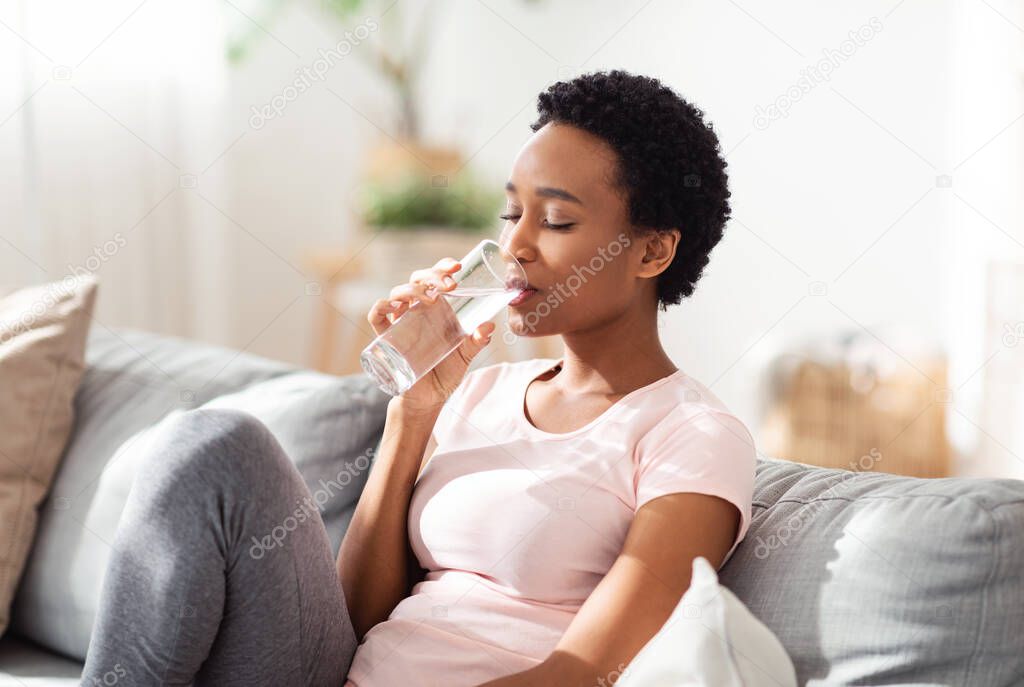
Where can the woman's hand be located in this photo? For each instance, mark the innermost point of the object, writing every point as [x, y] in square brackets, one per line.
[426, 285]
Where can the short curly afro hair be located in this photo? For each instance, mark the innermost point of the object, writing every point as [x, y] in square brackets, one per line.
[670, 165]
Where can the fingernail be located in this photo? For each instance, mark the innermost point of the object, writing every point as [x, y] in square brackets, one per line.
[449, 281]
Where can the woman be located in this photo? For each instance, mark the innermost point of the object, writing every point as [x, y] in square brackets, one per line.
[530, 523]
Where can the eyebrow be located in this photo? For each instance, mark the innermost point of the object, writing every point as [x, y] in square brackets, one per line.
[549, 192]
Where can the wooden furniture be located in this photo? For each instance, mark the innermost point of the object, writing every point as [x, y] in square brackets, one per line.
[334, 268]
[829, 415]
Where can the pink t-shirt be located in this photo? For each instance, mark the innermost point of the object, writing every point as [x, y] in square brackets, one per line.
[516, 526]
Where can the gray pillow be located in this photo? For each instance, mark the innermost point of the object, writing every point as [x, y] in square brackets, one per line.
[871, 579]
[328, 425]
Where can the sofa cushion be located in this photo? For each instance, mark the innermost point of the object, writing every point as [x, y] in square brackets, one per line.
[328, 425]
[869, 578]
[42, 347]
[24, 664]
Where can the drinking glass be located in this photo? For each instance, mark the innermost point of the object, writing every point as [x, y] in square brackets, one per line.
[489, 277]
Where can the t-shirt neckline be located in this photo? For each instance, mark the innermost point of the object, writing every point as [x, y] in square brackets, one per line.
[534, 371]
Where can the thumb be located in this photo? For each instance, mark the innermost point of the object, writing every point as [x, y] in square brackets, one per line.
[479, 339]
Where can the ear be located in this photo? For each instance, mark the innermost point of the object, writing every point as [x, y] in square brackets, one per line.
[659, 248]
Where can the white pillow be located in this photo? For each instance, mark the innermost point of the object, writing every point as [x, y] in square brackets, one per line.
[710, 639]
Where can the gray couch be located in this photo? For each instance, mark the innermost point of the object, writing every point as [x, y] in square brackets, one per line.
[865, 578]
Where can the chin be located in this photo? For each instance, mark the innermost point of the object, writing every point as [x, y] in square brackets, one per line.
[520, 325]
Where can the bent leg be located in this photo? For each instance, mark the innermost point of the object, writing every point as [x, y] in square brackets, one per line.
[222, 572]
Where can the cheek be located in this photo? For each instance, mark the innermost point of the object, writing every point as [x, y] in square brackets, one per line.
[587, 289]
[595, 275]
[586, 292]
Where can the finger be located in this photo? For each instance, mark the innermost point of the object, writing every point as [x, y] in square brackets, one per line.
[378, 314]
[412, 292]
[441, 267]
[438, 278]
[446, 265]
[436, 284]
[400, 307]
[479, 339]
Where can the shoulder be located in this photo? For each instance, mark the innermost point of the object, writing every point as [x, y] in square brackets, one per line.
[696, 422]
[697, 447]
[686, 426]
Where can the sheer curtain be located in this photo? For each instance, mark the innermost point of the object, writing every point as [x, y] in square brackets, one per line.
[985, 302]
[110, 118]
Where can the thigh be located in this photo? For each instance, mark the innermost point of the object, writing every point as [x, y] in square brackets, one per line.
[222, 572]
[284, 618]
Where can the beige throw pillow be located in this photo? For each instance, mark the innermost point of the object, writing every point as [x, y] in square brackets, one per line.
[42, 356]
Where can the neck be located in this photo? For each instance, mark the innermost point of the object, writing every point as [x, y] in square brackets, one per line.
[616, 356]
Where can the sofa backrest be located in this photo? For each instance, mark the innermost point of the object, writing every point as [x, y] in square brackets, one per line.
[869, 578]
[866, 578]
[134, 381]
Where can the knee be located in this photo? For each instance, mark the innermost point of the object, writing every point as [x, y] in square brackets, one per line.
[222, 446]
[222, 425]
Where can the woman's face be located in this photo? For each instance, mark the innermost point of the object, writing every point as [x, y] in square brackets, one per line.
[569, 227]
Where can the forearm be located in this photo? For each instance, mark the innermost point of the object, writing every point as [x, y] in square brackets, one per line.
[373, 561]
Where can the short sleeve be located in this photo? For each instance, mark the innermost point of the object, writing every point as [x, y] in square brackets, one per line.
[449, 412]
[453, 410]
[468, 397]
[708, 453]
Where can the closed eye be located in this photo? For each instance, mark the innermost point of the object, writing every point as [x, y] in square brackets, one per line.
[561, 227]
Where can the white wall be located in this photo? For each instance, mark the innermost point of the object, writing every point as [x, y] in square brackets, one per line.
[842, 191]
[987, 212]
[811, 192]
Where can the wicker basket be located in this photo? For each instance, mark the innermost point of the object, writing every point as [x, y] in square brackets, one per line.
[827, 415]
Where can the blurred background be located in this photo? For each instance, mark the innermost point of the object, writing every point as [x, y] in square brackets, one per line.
[254, 173]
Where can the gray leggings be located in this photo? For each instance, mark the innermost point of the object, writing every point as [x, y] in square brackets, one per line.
[188, 599]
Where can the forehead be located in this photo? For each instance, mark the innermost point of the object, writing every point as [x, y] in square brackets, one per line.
[565, 157]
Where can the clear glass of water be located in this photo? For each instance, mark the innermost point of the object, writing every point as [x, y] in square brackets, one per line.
[489, 277]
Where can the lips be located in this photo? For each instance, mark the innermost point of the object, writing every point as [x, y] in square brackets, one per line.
[524, 295]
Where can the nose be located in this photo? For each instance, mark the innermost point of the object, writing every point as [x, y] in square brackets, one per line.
[514, 238]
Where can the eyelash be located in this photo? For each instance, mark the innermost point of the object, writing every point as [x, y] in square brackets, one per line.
[556, 227]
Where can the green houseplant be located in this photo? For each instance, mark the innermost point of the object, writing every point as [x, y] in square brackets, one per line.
[413, 203]
[418, 200]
